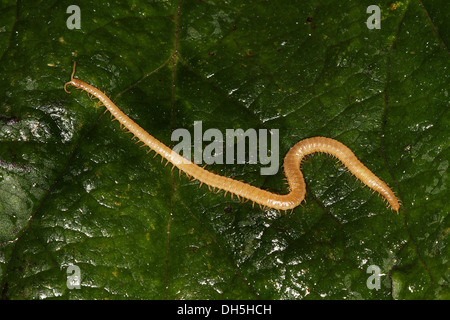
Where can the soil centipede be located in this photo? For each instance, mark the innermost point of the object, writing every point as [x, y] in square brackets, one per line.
[292, 160]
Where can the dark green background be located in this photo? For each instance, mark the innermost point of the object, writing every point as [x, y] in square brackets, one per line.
[75, 190]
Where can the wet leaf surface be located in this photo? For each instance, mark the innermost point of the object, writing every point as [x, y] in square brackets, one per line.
[75, 190]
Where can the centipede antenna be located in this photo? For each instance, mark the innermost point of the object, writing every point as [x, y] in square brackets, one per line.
[73, 71]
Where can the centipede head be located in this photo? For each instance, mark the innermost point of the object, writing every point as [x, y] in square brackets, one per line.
[72, 80]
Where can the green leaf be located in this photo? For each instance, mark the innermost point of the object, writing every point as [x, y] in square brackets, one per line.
[75, 190]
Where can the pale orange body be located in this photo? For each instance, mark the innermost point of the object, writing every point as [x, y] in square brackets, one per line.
[244, 190]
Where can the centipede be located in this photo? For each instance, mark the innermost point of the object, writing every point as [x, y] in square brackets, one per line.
[245, 191]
